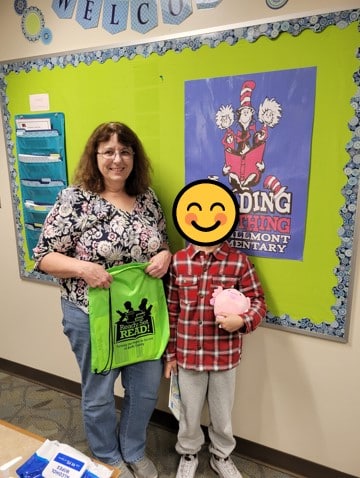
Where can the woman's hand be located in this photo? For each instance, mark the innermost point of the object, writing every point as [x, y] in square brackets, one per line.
[61, 266]
[95, 275]
[159, 264]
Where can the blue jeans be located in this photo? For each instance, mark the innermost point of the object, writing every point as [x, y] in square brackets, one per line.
[109, 441]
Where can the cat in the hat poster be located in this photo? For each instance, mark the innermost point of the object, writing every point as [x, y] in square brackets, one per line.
[253, 133]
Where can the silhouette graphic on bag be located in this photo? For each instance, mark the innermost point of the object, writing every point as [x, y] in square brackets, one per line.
[134, 323]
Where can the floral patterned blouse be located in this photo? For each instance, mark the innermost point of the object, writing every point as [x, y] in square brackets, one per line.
[83, 225]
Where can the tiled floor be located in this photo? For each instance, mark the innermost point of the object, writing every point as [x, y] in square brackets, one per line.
[57, 416]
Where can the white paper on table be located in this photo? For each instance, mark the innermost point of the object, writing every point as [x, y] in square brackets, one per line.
[52, 450]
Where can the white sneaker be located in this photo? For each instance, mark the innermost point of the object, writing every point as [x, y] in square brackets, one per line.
[187, 466]
[224, 467]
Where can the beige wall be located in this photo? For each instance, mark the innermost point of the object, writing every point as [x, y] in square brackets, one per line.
[296, 394]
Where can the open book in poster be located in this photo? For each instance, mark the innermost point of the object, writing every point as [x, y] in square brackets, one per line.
[58, 460]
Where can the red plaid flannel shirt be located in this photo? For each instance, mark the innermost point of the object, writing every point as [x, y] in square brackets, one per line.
[196, 341]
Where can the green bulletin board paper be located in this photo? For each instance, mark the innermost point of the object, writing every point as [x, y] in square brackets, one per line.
[147, 93]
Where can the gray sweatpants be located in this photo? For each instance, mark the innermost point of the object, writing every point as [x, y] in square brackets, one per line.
[218, 388]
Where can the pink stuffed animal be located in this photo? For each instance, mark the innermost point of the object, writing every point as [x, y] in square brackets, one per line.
[229, 301]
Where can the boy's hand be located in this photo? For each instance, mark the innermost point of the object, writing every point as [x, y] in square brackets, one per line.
[229, 322]
[170, 367]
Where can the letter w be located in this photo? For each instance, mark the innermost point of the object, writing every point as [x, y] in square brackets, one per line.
[64, 8]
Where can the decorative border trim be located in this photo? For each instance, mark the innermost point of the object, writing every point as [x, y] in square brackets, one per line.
[338, 329]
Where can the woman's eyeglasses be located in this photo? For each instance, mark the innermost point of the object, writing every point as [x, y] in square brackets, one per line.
[111, 154]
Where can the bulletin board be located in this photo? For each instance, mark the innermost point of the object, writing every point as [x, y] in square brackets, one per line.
[143, 86]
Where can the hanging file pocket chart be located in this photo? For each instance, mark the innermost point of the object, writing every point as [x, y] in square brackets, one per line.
[41, 156]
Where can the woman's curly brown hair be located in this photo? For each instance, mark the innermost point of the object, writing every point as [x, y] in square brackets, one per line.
[87, 174]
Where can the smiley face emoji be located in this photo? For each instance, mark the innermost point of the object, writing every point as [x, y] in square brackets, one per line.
[205, 212]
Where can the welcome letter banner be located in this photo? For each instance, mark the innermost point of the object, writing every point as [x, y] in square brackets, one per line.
[253, 133]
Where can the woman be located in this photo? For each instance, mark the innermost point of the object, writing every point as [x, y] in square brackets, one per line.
[109, 217]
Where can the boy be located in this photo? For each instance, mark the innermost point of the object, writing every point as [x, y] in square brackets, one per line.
[204, 350]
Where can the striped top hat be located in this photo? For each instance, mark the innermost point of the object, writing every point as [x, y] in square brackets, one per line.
[245, 94]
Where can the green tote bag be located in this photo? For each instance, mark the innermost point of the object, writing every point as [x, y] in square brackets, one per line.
[129, 322]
